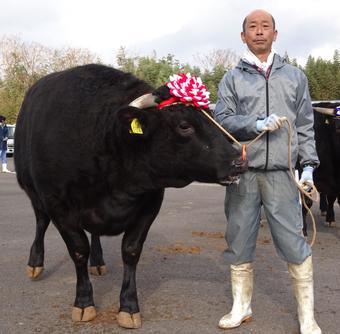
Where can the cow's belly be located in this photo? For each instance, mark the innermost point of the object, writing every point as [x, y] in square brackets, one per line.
[104, 223]
[110, 214]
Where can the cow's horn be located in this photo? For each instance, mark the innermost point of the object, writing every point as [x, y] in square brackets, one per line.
[326, 111]
[144, 101]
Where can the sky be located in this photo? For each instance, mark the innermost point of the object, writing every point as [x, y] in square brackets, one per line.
[183, 28]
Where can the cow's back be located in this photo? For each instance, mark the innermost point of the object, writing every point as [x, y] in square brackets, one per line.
[63, 120]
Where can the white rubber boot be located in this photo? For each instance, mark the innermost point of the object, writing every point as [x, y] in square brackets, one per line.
[5, 170]
[302, 275]
[242, 290]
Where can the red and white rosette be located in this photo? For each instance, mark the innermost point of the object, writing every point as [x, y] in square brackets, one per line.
[189, 89]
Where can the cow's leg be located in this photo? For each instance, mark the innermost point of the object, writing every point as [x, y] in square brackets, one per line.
[304, 227]
[323, 204]
[132, 244]
[97, 264]
[330, 217]
[79, 250]
[35, 264]
[309, 204]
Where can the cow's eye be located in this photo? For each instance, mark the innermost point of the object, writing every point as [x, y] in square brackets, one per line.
[185, 128]
[184, 125]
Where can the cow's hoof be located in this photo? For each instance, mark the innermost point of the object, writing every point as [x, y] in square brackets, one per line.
[34, 272]
[128, 320]
[98, 270]
[330, 224]
[83, 314]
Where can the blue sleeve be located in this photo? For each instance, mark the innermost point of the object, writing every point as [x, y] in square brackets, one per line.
[243, 127]
[304, 125]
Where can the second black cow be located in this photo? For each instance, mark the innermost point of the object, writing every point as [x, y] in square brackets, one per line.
[94, 153]
[327, 137]
[327, 174]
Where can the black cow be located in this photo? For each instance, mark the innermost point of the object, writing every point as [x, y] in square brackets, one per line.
[327, 137]
[90, 160]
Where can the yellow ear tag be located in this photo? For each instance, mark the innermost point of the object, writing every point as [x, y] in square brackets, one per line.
[136, 127]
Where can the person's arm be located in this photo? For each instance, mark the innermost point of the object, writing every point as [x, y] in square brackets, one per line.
[304, 126]
[308, 158]
[243, 127]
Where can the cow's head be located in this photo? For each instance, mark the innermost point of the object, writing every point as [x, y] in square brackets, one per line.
[179, 143]
[331, 112]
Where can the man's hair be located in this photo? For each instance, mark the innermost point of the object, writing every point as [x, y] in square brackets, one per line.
[245, 22]
[2, 118]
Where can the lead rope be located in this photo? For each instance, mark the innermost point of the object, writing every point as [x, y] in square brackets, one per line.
[312, 194]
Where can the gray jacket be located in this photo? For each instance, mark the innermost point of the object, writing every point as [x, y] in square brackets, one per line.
[246, 95]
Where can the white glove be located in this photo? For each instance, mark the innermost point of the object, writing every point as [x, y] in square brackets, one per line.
[307, 176]
[270, 123]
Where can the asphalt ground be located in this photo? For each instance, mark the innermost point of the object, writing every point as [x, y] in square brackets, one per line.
[183, 280]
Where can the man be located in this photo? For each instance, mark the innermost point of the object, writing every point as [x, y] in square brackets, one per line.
[3, 144]
[259, 94]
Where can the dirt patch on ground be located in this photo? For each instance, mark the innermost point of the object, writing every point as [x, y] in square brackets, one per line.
[179, 248]
[214, 235]
[264, 241]
[106, 316]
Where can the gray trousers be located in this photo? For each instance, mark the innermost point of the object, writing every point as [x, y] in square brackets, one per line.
[279, 196]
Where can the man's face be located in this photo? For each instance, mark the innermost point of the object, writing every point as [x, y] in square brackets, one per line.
[259, 33]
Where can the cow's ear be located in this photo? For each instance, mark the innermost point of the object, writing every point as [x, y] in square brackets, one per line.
[133, 122]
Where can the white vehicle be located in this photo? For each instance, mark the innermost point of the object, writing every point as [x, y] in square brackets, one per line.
[10, 141]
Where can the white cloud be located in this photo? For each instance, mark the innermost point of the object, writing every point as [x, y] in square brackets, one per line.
[179, 27]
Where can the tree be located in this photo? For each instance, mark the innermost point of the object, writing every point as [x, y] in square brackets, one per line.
[151, 69]
[211, 79]
[292, 61]
[226, 59]
[324, 77]
[126, 62]
[61, 59]
[336, 73]
[23, 63]
[214, 65]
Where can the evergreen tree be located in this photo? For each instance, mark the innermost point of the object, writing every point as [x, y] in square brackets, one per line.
[324, 78]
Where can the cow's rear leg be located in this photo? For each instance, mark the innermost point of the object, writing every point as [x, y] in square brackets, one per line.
[97, 264]
[79, 250]
[330, 216]
[132, 244]
[36, 259]
[323, 204]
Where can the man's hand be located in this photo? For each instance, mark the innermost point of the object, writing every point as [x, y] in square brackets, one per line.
[270, 123]
[307, 177]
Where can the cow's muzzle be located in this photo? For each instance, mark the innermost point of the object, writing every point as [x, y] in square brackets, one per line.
[238, 166]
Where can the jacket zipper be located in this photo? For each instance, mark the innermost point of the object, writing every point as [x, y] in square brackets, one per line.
[267, 134]
[266, 76]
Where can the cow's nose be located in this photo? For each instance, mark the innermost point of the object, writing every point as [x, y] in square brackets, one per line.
[240, 164]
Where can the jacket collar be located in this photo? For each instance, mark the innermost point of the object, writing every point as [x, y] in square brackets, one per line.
[251, 59]
[278, 62]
